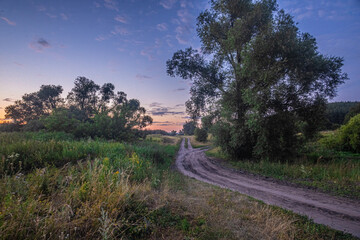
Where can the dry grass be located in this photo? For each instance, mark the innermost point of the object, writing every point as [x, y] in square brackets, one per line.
[231, 215]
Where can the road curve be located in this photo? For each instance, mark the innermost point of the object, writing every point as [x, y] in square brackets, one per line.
[338, 213]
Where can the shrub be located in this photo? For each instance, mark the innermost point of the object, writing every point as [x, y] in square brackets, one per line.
[347, 138]
[350, 134]
[201, 134]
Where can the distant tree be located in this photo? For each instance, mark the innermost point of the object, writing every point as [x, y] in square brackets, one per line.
[336, 112]
[201, 134]
[259, 76]
[173, 133]
[32, 106]
[189, 128]
[355, 110]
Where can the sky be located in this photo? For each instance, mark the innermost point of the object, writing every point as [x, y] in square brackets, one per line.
[127, 43]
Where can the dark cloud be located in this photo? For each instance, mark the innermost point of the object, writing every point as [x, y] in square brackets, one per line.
[8, 100]
[43, 42]
[179, 105]
[179, 89]
[155, 104]
[39, 45]
[161, 111]
[142, 77]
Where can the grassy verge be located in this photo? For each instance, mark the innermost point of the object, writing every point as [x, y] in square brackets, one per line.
[230, 215]
[334, 172]
[197, 144]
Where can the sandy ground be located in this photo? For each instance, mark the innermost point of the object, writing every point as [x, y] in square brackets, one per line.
[338, 213]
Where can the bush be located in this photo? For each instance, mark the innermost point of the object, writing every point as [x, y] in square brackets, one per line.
[201, 135]
[33, 126]
[347, 138]
[350, 134]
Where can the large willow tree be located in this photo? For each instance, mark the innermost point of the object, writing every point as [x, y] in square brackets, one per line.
[259, 80]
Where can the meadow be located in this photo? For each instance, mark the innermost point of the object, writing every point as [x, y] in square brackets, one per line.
[52, 186]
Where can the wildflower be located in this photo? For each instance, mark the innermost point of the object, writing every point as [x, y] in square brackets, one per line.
[117, 172]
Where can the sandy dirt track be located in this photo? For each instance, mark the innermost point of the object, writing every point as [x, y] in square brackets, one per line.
[338, 213]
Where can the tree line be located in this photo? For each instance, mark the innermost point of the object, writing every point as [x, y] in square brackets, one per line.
[88, 111]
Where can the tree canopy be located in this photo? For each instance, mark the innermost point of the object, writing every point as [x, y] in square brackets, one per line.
[90, 111]
[260, 79]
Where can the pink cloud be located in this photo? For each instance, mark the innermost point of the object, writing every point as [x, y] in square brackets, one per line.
[8, 21]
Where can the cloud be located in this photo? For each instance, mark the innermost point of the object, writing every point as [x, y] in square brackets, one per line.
[51, 15]
[142, 77]
[41, 8]
[161, 111]
[120, 19]
[120, 30]
[111, 4]
[181, 34]
[64, 16]
[162, 27]
[100, 38]
[8, 21]
[184, 28]
[8, 100]
[179, 105]
[147, 53]
[168, 4]
[179, 89]
[19, 64]
[39, 45]
[155, 104]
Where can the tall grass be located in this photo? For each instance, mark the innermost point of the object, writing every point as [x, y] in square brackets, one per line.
[78, 189]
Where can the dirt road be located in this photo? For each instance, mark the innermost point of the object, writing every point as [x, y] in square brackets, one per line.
[338, 213]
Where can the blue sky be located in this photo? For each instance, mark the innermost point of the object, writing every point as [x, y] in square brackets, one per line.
[127, 42]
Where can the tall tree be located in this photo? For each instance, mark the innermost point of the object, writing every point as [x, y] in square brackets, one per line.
[265, 81]
[84, 95]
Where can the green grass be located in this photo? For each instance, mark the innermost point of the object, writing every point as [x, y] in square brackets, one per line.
[96, 189]
[331, 171]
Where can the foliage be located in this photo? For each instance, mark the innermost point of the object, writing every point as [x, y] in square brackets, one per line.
[9, 127]
[336, 113]
[201, 134]
[352, 112]
[347, 138]
[35, 105]
[189, 128]
[264, 83]
[91, 111]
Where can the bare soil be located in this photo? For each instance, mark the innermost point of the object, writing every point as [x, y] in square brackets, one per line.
[339, 213]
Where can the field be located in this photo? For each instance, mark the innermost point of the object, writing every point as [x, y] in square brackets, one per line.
[53, 186]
